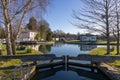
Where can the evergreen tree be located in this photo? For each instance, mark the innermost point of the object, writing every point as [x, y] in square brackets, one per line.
[32, 25]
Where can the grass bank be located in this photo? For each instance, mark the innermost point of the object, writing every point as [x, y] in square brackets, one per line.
[72, 41]
[6, 66]
[102, 51]
[19, 50]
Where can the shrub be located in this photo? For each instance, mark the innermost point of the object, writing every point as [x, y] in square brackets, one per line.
[21, 48]
[28, 50]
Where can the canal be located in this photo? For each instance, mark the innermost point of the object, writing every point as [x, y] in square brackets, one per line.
[61, 49]
[72, 72]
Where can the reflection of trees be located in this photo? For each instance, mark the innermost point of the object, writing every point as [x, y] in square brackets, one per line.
[45, 48]
[59, 44]
[48, 47]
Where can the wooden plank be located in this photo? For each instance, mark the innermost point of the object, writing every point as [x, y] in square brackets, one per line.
[50, 65]
[81, 65]
[95, 58]
[32, 57]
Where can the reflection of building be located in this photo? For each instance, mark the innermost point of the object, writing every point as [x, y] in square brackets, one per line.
[27, 36]
[56, 39]
[35, 47]
[2, 40]
[87, 47]
[88, 38]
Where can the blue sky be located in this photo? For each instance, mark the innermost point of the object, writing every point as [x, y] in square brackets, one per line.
[59, 15]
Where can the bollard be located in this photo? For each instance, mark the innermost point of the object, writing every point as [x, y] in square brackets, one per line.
[0, 52]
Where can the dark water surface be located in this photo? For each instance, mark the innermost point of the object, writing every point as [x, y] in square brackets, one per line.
[71, 73]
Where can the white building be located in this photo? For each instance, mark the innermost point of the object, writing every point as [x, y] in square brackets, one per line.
[88, 38]
[27, 36]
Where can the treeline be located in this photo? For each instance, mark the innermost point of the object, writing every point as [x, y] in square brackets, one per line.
[42, 28]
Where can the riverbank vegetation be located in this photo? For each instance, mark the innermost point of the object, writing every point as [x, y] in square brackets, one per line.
[98, 41]
[72, 41]
[19, 50]
[102, 51]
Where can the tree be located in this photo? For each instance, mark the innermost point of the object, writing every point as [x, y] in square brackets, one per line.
[49, 36]
[17, 9]
[37, 37]
[116, 18]
[97, 17]
[44, 30]
[32, 25]
[58, 34]
[78, 34]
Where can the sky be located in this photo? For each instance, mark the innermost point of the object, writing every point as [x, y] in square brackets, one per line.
[59, 15]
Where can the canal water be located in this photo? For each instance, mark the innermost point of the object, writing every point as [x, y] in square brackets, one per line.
[72, 73]
[61, 49]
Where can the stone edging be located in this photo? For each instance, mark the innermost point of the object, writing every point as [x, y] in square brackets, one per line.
[109, 71]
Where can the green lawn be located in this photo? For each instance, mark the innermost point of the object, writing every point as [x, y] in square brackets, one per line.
[18, 51]
[10, 63]
[116, 63]
[101, 41]
[6, 66]
[14, 62]
[102, 51]
[72, 41]
[98, 51]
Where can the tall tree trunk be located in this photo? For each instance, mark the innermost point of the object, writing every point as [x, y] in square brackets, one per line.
[8, 40]
[107, 28]
[14, 47]
[8, 26]
[118, 35]
[118, 41]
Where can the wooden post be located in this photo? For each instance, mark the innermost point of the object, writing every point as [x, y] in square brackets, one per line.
[67, 61]
[35, 63]
[0, 52]
[0, 48]
[63, 58]
[92, 64]
[51, 61]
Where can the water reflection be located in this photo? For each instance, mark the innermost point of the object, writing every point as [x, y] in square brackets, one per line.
[87, 47]
[45, 48]
[62, 49]
[72, 73]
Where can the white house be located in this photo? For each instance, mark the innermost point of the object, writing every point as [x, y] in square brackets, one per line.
[88, 38]
[27, 36]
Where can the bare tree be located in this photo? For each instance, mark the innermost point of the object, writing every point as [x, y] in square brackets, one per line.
[116, 18]
[11, 10]
[97, 17]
